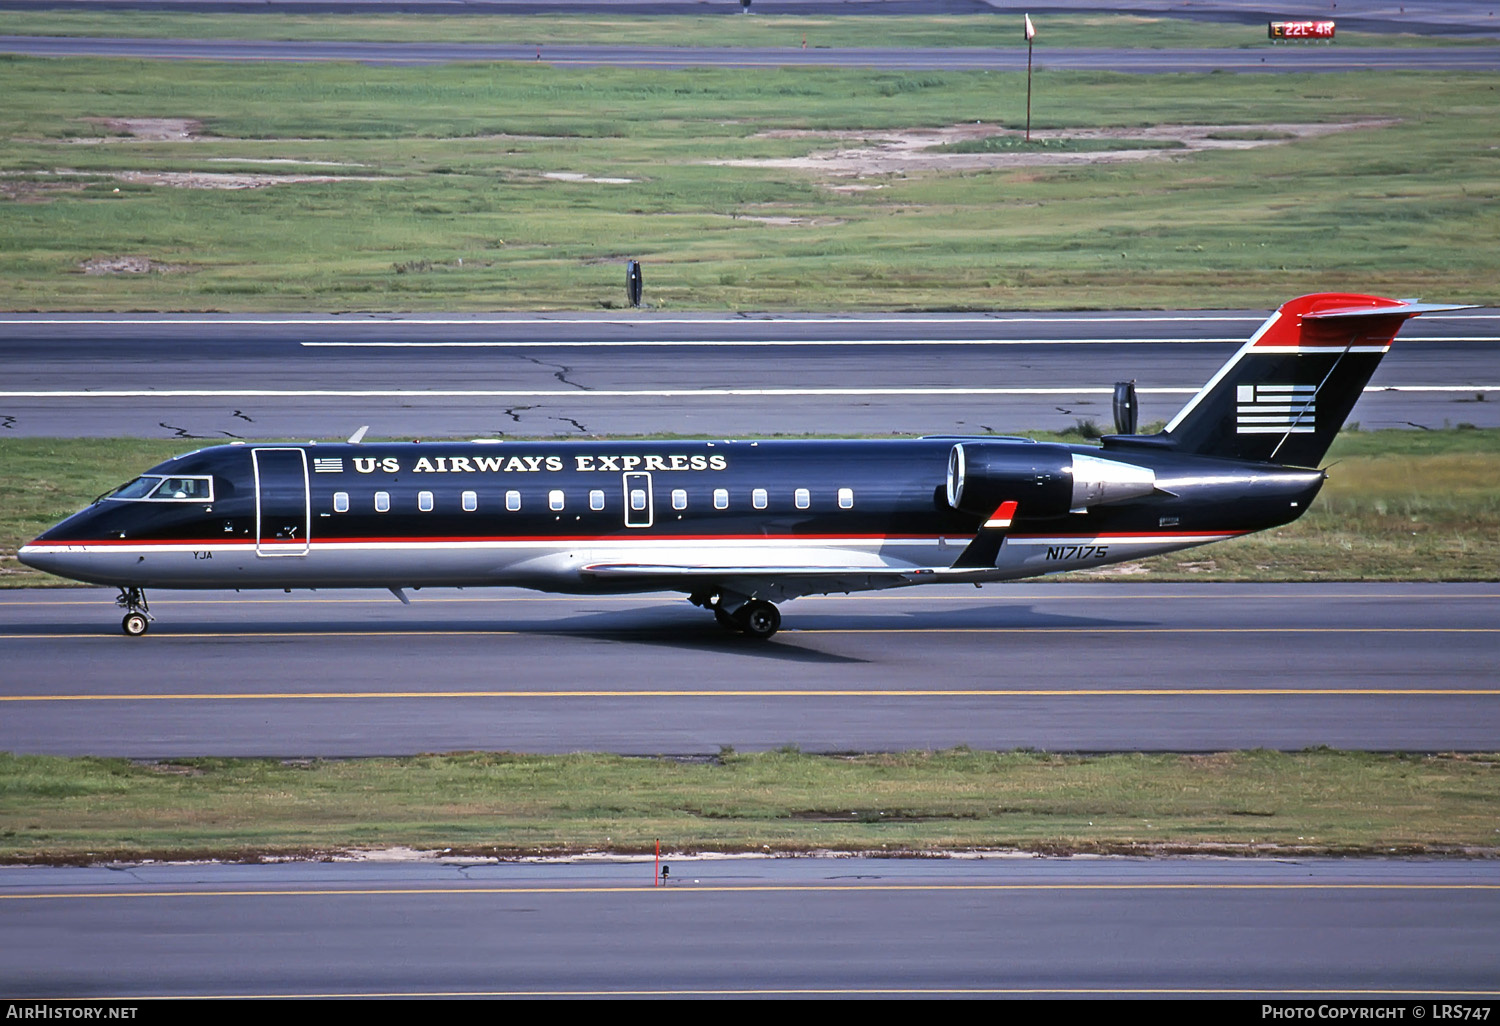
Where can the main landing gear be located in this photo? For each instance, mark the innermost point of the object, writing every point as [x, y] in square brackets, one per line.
[757, 618]
[137, 612]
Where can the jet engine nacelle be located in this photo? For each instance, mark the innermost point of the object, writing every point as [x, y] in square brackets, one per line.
[1045, 480]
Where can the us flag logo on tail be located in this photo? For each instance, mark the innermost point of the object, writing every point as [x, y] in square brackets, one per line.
[1276, 409]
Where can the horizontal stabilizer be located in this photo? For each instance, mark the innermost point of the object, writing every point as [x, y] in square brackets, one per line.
[1402, 309]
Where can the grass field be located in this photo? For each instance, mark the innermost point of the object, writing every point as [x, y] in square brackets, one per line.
[724, 28]
[1267, 803]
[437, 188]
[1398, 505]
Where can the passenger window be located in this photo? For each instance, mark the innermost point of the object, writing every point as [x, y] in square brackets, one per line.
[596, 499]
[341, 502]
[471, 502]
[637, 498]
[555, 499]
[721, 498]
[512, 501]
[758, 498]
[802, 499]
[846, 498]
[424, 502]
[382, 502]
[679, 498]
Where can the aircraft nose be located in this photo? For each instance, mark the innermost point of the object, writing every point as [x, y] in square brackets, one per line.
[53, 559]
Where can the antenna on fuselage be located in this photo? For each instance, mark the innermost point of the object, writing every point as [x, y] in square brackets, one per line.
[358, 436]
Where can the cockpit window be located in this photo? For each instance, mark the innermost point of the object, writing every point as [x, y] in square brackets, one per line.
[167, 489]
[137, 489]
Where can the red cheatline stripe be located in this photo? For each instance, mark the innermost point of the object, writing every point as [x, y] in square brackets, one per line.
[563, 538]
[1133, 534]
[613, 538]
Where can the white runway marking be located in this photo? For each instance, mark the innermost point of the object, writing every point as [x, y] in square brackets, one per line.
[368, 320]
[364, 321]
[765, 344]
[621, 393]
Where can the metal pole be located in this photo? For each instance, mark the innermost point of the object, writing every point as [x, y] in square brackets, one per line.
[1028, 90]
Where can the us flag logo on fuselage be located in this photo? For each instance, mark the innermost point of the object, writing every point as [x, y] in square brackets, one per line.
[1276, 409]
[328, 465]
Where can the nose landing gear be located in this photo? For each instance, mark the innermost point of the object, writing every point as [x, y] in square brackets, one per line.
[137, 612]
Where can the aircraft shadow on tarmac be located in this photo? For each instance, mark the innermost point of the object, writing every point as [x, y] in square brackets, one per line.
[795, 642]
[658, 626]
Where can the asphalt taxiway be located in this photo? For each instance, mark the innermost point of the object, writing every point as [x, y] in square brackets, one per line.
[1373, 929]
[304, 376]
[1060, 667]
[1261, 58]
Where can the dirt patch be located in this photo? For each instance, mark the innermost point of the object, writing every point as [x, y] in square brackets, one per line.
[791, 222]
[574, 176]
[228, 180]
[288, 161]
[34, 188]
[867, 154]
[128, 265]
[154, 129]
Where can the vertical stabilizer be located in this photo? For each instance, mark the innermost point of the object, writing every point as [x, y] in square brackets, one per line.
[1284, 396]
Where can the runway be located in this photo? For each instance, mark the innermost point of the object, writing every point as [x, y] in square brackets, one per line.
[219, 377]
[1387, 930]
[1257, 59]
[1427, 17]
[1059, 667]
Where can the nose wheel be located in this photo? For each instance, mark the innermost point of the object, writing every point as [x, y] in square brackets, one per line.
[138, 616]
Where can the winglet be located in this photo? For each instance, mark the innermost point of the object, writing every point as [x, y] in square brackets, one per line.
[358, 436]
[982, 552]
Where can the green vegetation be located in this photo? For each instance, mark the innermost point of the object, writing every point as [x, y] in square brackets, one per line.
[1399, 505]
[1260, 802]
[436, 195]
[724, 28]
